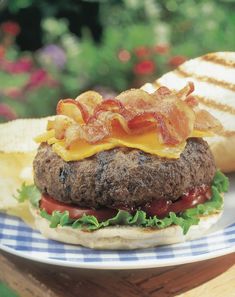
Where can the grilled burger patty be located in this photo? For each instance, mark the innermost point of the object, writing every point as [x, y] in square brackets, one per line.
[123, 177]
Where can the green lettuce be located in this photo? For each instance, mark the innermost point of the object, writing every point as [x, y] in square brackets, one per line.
[185, 219]
[29, 192]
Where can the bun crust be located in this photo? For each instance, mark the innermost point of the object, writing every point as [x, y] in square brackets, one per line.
[123, 237]
[213, 77]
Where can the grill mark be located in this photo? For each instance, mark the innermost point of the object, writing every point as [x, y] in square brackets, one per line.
[219, 106]
[207, 79]
[227, 133]
[218, 60]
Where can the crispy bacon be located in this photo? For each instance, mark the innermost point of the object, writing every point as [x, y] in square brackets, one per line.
[186, 91]
[114, 106]
[137, 101]
[109, 118]
[163, 91]
[191, 101]
[142, 120]
[72, 134]
[170, 114]
[90, 100]
[73, 109]
[206, 122]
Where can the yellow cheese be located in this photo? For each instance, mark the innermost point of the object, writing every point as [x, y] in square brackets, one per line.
[147, 142]
[198, 133]
[45, 136]
[80, 150]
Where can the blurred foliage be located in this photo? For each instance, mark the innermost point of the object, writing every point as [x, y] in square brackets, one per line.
[139, 41]
[5, 291]
[48, 7]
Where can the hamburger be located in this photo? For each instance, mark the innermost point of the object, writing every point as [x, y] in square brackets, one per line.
[127, 172]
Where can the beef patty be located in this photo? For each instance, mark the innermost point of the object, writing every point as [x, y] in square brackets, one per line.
[122, 177]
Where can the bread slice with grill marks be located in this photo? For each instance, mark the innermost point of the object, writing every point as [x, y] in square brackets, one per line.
[213, 76]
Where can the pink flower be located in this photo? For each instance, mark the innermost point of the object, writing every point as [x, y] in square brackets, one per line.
[21, 66]
[124, 55]
[7, 112]
[40, 78]
[144, 67]
[2, 52]
[142, 51]
[177, 60]
[10, 28]
[162, 49]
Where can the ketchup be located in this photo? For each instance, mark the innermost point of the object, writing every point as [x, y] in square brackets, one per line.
[193, 197]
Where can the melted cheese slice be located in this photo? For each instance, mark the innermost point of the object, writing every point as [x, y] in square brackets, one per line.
[147, 142]
[79, 150]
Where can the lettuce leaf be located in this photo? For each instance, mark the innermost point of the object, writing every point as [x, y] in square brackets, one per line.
[29, 192]
[221, 182]
[185, 219]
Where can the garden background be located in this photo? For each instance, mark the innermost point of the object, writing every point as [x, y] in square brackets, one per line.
[56, 49]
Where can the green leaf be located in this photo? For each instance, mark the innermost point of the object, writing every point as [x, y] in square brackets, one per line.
[10, 81]
[138, 219]
[45, 215]
[221, 182]
[86, 222]
[29, 192]
[64, 219]
[122, 218]
[55, 218]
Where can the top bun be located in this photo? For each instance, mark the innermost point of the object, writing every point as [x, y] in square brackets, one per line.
[213, 77]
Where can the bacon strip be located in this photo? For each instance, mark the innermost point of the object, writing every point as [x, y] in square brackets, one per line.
[170, 114]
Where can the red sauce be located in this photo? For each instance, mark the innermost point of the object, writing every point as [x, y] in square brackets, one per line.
[75, 212]
[193, 197]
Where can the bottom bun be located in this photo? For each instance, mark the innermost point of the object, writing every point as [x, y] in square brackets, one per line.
[124, 237]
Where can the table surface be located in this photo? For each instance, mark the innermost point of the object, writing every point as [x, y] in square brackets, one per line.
[211, 278]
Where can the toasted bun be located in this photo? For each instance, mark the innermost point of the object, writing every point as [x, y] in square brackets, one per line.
[213, 76]
[123, 237]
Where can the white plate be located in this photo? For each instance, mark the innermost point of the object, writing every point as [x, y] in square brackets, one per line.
[19, 239]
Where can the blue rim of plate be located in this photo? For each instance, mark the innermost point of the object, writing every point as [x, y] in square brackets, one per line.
[19, 239]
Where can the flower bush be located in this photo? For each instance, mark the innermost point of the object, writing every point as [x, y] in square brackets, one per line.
[140, 41]
[27, 89]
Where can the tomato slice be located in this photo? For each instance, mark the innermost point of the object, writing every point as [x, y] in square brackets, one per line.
[161, 208]
[75, 212]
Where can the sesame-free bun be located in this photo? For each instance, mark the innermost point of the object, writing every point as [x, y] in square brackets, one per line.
[123, 237]
[213, 76]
